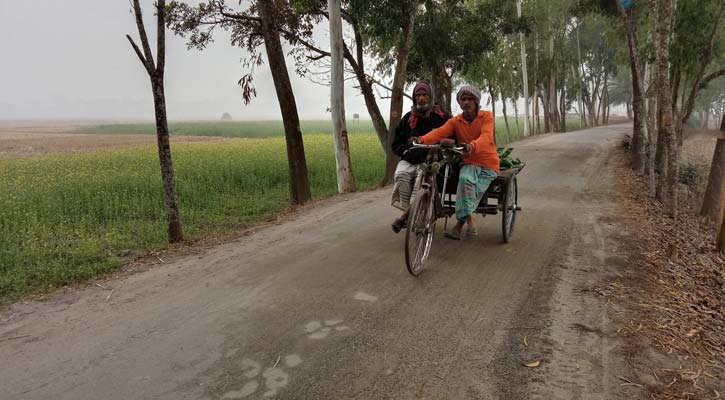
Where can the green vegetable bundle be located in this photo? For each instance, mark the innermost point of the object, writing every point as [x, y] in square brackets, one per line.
[506, 161]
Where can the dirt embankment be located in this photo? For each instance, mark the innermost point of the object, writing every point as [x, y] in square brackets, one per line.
[677, 301]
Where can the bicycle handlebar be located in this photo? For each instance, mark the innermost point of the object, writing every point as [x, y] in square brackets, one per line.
[458, 150]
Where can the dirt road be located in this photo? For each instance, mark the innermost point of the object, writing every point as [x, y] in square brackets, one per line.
[321, 306]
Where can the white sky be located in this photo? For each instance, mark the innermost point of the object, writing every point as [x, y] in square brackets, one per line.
[71, 59]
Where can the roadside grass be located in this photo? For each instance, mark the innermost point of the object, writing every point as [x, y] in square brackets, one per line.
[66, 218]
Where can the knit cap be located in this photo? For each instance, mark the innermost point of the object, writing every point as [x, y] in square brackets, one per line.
[471, 90]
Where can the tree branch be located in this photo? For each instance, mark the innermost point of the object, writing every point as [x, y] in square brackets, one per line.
[160, 38]
[142, 34]
[377, 82]
[706, 80]
[145, 63]
[239, 17]
[296, 39]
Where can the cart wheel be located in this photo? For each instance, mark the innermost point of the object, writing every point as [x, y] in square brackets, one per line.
[510, 200]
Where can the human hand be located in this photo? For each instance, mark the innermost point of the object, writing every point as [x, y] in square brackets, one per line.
[414, 140]
[467, 149]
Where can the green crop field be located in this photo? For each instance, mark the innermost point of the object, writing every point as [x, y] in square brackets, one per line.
[262, 129]
[248, 129]
[65, 218]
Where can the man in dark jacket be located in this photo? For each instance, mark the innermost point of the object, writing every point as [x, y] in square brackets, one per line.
[423, 117]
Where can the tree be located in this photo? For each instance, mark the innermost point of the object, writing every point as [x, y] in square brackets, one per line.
[156, 75]
[450, 36]
[663, 27]
[693, 50]
[638, 106]
[261, 23]
[296, 162]
[345, 179]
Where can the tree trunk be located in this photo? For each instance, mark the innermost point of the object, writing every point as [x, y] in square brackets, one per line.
[505, 118]
[666, 130]
[442, 88]
[562, 108]
[156, 76]
[651, 130]
[547, 114]
[629, 110]
[714, 192]
[516, 117]
[296, 163]
[492, 94]
[345, 178]
[537, 117]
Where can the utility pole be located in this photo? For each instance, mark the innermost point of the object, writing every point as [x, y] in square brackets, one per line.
[526, 75]
[345, 179]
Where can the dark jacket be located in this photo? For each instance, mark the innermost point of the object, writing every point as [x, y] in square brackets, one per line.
[403, 133]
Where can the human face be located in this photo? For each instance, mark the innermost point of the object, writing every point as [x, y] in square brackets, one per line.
[468, 104]
[422, 98]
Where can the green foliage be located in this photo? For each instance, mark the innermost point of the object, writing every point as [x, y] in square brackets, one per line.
[692, 176]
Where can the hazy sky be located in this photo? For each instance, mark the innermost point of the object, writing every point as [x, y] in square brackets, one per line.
[71, 59]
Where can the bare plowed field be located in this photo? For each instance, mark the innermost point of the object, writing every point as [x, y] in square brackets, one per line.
[37, 139]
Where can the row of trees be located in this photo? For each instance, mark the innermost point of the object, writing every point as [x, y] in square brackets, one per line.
[675, 52]
[583, 55]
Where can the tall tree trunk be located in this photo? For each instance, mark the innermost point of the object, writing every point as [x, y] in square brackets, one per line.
[545, 98]
[628, 105]
[667, 132]
[345, 178]
[516, 117]
[296, 163]
[537, 117]
[553, 104]
[714, 192]
[706, 120]
[156, 76]
[505, 117]
[651, 133]
[405, 40]
[562, 107]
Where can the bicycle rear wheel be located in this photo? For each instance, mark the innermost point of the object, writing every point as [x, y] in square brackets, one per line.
[419, 234]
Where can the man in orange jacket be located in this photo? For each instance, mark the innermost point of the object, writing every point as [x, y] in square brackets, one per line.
[473, 128]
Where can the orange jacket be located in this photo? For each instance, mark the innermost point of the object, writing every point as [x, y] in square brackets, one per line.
[478, 133]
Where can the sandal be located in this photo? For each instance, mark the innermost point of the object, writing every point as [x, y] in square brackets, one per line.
[453, 234]
[398, 225]
[471, 231]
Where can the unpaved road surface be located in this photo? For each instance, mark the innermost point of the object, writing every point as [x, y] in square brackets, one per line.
[321, 306]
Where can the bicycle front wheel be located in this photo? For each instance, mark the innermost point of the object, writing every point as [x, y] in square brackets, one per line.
[419, 235]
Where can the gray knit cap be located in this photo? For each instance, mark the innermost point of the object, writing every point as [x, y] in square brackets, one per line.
[469, 89]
